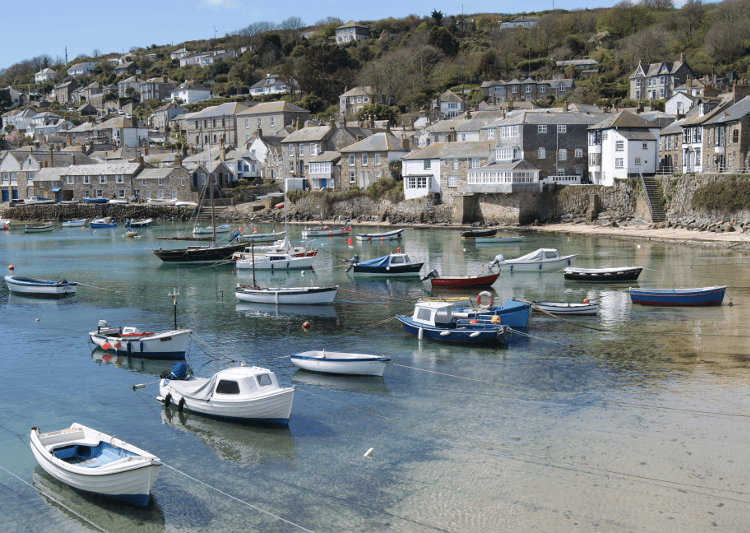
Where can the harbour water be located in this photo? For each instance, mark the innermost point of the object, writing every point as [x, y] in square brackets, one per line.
[638, 422]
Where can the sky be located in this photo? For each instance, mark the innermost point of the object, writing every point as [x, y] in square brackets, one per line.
[87, 25]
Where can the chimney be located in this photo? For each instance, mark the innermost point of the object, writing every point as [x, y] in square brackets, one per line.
[145, 150]
[739, 91]
[689, 84]
[45, 164]
[468, 113]
[299, 124]
[260, 132]
[177, 161]
[565, 106]
[405, 142]
[223, 152]
[141, 162]
[72, 159]
[50, 157]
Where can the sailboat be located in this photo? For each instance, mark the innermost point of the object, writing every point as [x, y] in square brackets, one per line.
[191, 254]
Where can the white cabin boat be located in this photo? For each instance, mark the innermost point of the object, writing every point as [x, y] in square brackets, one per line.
[281, 255]
[543, 259]
[130, 340]
[357, 364]
[244, 393]
[92, 461]
[286, 295]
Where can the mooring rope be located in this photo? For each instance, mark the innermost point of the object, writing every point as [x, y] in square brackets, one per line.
[237, 499]
[55, 500]
[537, 308]
[95, 287]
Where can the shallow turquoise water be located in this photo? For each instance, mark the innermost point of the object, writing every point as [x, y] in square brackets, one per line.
[640, 426]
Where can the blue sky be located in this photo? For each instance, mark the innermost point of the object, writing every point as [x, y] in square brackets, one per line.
[109, 26]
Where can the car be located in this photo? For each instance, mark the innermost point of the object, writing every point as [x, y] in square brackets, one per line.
[128, 115]
[120, 112]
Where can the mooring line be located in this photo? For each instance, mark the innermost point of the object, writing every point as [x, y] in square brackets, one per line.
[55, 500]
[237, 499]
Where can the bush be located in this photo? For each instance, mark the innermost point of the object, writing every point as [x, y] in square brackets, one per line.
[726, 194]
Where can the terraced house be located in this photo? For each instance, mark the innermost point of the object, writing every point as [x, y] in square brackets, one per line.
[368, 160]
[269, 118]
[657, 81]
[213, 126]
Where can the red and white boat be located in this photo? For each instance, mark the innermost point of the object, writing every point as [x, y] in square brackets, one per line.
[132, 341]
[461, 281]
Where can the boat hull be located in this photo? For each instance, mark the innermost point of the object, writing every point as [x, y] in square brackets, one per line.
[512, 314]
[473, 234]
[274, 408]
[498, 240]
[465, 281]
[261, 237]
[139, 223]
[536, 266]
[166, 345]
[282, 262]
[607, 275]
[388, 236]
[38, 229]
[74, 223]
[198, 230]
[466, 334]
[705, 296]
[38, 287]
[326, 232]
[340, 363]
[287, 295]
[198, 253]
[95, 200]
[130, 479]
[566, 308]
[395, 271]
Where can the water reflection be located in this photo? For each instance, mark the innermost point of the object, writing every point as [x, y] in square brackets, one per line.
[363, 384]
[249, 309]
[232, 441]
[107, 513]
[143, 365]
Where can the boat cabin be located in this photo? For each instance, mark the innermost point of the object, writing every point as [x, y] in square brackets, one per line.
[542, 254]
[439, 314]
[388, 260]
[244, 381]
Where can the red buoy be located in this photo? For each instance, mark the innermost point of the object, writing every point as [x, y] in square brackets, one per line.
[472, 321]
[350, 241]
[585, 300]
[306, 324]
[398, 250]
[106, 346]
[11, 267]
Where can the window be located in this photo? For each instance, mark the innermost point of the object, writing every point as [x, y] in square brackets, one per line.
[159, 182]
[351, 160]
[528, 88]
[71, 180]
[604, 135]
[619, 146]
[366, 99]
[463, 137]
[579, 152]
[86, 194]
[352, 178]
[452, 181]
[561, 128]
[618, 162]
[216, 139]
[455, 163]
[542, 153]
[491, 133]
[562, 154]
[378, 174]
[301, 150]
[377, 159]
[102, 179]
[645, 146]
[174, 194]
[259, 121]
[160, 193]
[514, 89]
[509, 131]
[119, 178]
[542, 128]
[291, 150]
[637, 160]
[359, 99]
[121, 193]
[229, 387]
[182, 182]
[364, 159]
[474, 162]
[542, 88]
[99, 193]
[272, 123]
[313, 149]
[736, 136]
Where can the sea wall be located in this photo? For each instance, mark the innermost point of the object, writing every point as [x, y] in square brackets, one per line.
[623, 201]
[120, 212]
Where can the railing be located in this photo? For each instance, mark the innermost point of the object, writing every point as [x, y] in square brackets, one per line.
[645, 191]
[563, 180]
[706, 169]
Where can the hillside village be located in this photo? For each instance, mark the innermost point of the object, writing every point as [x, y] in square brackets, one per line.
[476, 112]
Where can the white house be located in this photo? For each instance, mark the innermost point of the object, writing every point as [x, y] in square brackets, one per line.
[271, 84]
[81, 69]
[179, 53]
[693, 133]
[449, 104]
[679, 103]
[190, 92]
[43, 75]
[623, 145]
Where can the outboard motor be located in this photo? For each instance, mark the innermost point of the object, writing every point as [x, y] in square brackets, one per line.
[499, 258]
[179, 371]
[432, 274]
[351, 262]
[235, 234]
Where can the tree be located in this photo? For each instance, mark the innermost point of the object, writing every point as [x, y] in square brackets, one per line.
[325, 70]
[380, 112]
[441, 39]
[292, 23]
[5, 100]
[438, 16]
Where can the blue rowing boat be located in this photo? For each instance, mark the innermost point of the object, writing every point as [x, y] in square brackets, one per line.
[701, 296]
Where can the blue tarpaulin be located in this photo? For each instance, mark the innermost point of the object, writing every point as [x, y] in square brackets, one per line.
[377, 262]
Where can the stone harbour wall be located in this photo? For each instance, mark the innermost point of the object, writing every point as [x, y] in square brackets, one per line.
[119, 212]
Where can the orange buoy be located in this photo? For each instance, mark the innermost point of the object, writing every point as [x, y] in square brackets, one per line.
[472, 321]
[306, 324]
[106, 346]
[585, 300]
[11, 267]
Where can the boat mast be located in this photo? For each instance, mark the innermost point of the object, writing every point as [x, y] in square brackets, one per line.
[252, 256]
[211, 184]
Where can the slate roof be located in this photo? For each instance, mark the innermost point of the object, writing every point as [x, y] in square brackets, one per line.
[453, 149]
[623, 119]
[229, 108]
[352, 24]
[360, 91]
[273, 107]
[674, 127]
[379, 142]
[653, 69]
[317, 133]
[326, 157]
[49, 174]
[636, 135]
[120, 167]
[560, 117]
[734, 112]
[155, 173]
[191, 86]
[693, 118]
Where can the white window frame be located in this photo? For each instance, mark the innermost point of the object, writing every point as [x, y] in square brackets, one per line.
[427, 164]
[619, 146]
[352, 161]
[541, 128]
[71, 180]
[365, 158]
[452, 182]
[377, 159]
[562, 154]
[562, 128]
[542, 153]
[352, 177]
[619, 162]
[102, 179]
[579, 152]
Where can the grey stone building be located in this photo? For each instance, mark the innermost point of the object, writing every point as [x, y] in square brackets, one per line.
[657, 81]
[352, 31]
[528, 89]
[268, 117]
[172, 183]
[213, 126]
[670, 148]
[355, 99]
[101, 180]
[368, 160]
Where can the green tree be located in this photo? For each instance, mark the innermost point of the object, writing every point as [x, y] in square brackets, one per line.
[5, 100]
[380, 111]
[438, 16]
[325, 70]
[441, 39]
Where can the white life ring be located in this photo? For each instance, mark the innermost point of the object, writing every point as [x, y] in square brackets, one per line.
[479, 300]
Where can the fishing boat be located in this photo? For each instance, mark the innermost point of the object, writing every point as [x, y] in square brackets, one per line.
[95, 200]
[5, 224]
[282, 255]
[95, 462]
[105, 222]
[499, 240]
[286, 295]
[74, 223]
[603, 274]
[702, 296]
[131, 233]
[39, 229]
[356, 364]
[186, 204]
[512, 313]
[40, 287]
[118, 201]
[477, 280]
[38, 200]
[244, 393]
[161, 202]
[387, 236]
[541, 260]
[391, 265]
[473, 234]
[130, 340]
[140, 223]
[199, 230]
[326, 231]
[435, 321]
[567, 308]
[262, 237]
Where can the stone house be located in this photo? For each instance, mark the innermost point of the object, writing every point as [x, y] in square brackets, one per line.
[213, 126]
[693, 153]
[299, 146]
[555, 143]
[241, 162]
[726, 138]
[159, 119]
[366, 161]
[132, 82]
[621, 146]
[324, 172]
[657, 81]
[216, 172]
[99, 180]
[448, 105]
[469, 127]
[126, 67]
[81, 134]
[355, 99]
[170, 182]
[63, 92]
[157, 89]
[352, 31]
[529, 89]
[442, 168]
[670, 148]
[269, 117]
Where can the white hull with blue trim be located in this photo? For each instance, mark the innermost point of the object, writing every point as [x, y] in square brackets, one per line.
[541, 260]
[131, 341]
[274, 261]
[357, 364]
[40, 287]
[95, 462]
[248, 394]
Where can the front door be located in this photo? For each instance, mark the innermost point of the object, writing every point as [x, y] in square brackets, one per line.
[15, 194]
[5, 195]
[323, 183]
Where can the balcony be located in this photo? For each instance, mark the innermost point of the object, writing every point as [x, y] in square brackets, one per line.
[718, 149]
[595, 148]
[563, 180]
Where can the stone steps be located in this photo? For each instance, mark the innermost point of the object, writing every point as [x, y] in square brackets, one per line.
[652, 191]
